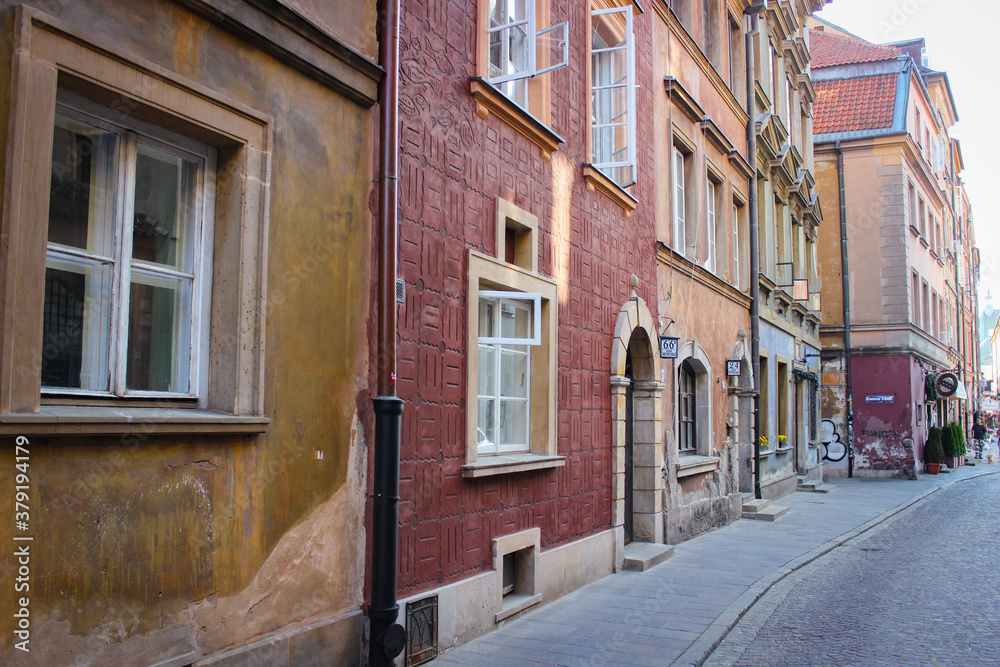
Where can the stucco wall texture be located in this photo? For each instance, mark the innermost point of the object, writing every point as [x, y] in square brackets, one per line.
[454, 165]
[146, 546]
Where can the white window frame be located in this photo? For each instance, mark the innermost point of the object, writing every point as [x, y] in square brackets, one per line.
[502, 344]
[735, 249]
[129, 131]
[531, 36]
[608, 167]
[678, 196]
[536, 318]
[711, 224]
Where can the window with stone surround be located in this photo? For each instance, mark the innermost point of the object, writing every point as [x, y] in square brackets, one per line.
[142, 220]
[687, 409]
[512, 374]
[127, 268]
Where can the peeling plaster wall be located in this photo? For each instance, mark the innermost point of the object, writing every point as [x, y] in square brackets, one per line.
[880, 428]
[149, 546]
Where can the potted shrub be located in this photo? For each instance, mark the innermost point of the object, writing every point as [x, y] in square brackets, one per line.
[933, 451]
[948, 445]
[953, 443]
[961, 443]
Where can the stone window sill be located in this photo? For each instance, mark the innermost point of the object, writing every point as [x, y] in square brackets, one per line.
[782, 450]
[509, 463]
[516, 602]
[86, 420]
[692, 464]
[598, 181]
[490, 100]
[766, 452]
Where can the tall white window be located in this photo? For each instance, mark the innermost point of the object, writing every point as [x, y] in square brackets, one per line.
[516, 47]
[679, 203]
[710, 189]
[509, 326]
[129, 237]
[613, 94]
[789, 99]
[734, 247]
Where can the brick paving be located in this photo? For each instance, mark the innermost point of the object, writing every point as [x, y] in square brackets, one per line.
[680, 611]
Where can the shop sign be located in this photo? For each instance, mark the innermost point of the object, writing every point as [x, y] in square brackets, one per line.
[946, 384]
[880, 398]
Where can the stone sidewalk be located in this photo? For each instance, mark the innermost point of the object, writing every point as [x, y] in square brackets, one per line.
[678, 612]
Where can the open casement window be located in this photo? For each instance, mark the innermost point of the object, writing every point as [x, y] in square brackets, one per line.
[509, 326]
[518, 51]
[613, 94]
[128, 221]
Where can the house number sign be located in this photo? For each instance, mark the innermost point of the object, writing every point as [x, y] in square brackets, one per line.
[733, 367]
[668, 347]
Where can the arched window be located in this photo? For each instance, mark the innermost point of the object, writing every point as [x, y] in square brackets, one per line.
[687, 408]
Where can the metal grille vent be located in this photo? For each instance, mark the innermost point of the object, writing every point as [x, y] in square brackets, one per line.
[421, 631]
[400, 290]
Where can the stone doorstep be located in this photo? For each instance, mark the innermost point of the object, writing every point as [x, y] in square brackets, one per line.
[753, 506]
[640, 556]
[816, 486]
[773, 513]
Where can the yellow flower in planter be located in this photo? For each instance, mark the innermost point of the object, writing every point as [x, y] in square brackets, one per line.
[782, 439]
[762, 443]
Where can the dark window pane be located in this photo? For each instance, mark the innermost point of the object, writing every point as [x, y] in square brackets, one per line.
[62, 328]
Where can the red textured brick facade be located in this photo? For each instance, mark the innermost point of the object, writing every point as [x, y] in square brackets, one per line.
[453, 167]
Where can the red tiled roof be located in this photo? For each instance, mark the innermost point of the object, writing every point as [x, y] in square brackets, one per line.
[827, 49]
[862, 103]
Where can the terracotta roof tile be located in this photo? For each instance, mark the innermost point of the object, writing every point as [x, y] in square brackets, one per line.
[828, 49]
[862, 103]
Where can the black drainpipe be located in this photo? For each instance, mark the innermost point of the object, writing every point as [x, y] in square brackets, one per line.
[387, 637]
[847, 310]
[754, 11]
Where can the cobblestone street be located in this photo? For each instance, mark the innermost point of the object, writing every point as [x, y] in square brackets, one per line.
[922, 589]
[881, 572]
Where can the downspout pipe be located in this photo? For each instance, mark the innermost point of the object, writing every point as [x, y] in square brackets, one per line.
[754, 11]
[847, 309]
[959, 336]
[387, 638]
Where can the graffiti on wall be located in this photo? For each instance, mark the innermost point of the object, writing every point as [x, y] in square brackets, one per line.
[834, 448]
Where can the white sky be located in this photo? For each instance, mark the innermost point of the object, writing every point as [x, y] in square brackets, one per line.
[961, 40]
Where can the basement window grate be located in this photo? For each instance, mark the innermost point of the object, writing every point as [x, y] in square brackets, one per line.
[421, 631]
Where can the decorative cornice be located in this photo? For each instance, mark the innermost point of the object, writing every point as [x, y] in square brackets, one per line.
[490, 100]
[716, 136]
[669, 257]
[295, 41]
[596, 180]
[683, 99]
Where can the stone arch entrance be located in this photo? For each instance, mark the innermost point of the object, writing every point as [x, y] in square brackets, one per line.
[635, 372]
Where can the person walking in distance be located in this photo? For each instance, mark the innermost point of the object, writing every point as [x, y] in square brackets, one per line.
[978, 435]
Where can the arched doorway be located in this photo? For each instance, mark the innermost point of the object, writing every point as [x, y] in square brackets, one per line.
[636, 434]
